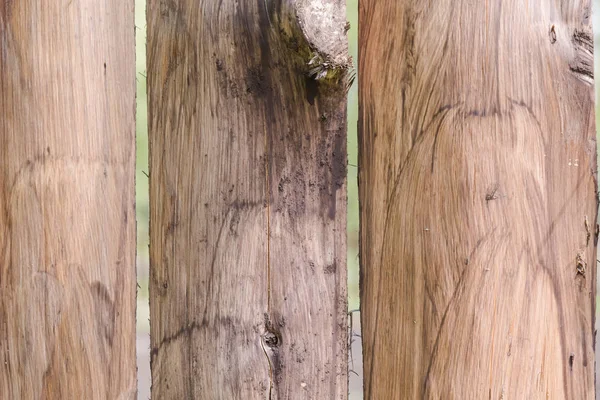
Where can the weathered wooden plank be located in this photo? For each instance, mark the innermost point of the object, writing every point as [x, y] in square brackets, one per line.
[248, 199]
[67, 215]
[478, 199]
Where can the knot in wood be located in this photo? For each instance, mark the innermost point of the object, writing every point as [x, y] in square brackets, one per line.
[271, 339]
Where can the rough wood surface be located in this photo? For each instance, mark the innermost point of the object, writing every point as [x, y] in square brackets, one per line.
[67, 218]
[478, 199]
[248, 204]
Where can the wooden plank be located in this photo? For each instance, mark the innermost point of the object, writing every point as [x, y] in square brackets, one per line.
[478, 199]
[67, 214]
[248, 190]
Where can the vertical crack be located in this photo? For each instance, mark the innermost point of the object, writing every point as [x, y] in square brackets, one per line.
[268, 229]
[268, 199]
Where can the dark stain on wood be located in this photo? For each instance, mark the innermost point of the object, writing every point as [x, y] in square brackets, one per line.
[104, 310]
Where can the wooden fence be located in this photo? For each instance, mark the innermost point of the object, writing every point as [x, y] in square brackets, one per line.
[478, 196]
[67, 212]
[477, 191]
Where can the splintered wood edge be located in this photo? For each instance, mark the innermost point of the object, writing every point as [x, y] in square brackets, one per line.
[324, 25]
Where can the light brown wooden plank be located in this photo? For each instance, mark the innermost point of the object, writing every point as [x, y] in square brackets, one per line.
[67, 215]
[478, 199]
[248, 200]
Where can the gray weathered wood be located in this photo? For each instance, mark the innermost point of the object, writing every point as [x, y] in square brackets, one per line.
[248, 201]
[67, 216]
[478, 199]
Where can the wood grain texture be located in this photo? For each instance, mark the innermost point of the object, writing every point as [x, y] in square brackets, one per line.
[248, 205]
[478, 199]
[67, 215]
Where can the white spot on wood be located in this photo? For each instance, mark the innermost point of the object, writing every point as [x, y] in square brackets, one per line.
[323, 24]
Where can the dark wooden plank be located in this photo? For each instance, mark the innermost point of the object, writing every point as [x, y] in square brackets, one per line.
[248, 199]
